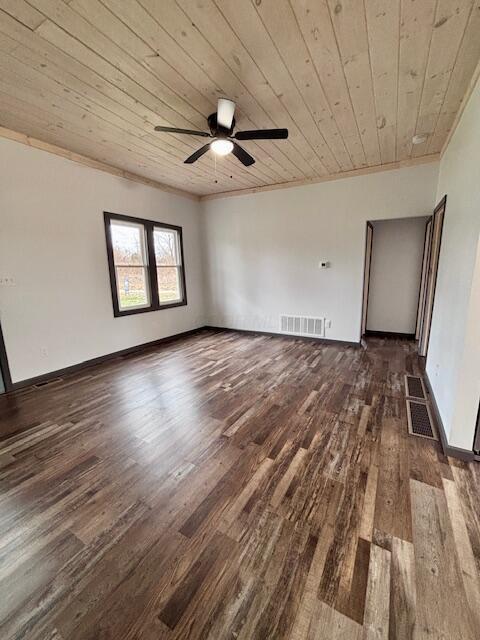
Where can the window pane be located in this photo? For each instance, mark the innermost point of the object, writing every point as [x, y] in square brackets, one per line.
[169, 289]
[132, 287]
[128, 243]
[166, 247]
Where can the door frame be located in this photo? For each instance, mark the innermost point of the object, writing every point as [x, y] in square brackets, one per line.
[366, 276]
[424, 278]
[438, 218]
[5, 369]
[476, 440]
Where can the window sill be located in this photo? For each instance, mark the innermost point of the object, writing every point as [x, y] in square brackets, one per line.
[131, 312]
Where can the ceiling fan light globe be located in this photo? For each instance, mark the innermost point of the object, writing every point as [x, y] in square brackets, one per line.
[221, 147]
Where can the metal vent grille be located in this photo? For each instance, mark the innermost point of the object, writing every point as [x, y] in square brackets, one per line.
[414, 388]
[302, 325]
[419, 420]
[47, 382]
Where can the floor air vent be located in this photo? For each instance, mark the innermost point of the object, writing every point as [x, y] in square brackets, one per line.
[47, 382]
[419, 420]
[414, 388]
[303, 326]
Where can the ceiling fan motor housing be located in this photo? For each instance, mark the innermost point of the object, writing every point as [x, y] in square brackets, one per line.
[217, 130]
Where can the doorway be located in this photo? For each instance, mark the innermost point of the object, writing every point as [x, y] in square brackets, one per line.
[5, 379]
[393, 268]
[396, 302]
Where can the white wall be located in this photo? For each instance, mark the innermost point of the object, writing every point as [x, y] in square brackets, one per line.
[395, 274]
[263, 250]
[453, 361]
[52, 241]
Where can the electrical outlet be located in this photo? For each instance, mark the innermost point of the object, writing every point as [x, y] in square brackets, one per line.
[44, 352]
[7, 281]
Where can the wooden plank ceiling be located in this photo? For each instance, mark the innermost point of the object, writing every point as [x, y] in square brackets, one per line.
[352, 80]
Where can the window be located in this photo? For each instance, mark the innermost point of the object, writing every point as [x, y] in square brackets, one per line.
[146, 264]
[131, 265]
[169, 265]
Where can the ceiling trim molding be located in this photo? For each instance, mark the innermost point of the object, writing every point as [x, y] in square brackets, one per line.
[461, 109]
[9, 134]
[411, 162]
[29, 141]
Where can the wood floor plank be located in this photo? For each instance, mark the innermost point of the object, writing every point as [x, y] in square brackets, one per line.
[441, 598]
[377, 604]
[392, 512]
[468, 568]
[368, 514]
[309, 600]
[230, 515]
[351, 600]
[403, 596]
[468, 486]
[101, 602]
[282, 487]
[186, 590]
[329, 623]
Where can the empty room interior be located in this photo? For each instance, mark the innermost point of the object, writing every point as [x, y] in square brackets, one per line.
[239, 319]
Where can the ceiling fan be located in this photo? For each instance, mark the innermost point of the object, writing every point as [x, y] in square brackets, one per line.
[221, 126]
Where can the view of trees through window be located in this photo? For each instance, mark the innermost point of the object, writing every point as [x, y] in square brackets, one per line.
[130, 265]
[168, 265]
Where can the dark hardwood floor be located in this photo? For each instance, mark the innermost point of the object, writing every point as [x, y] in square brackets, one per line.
[234, 487]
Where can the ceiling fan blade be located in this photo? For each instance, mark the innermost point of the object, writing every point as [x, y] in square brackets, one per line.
[190, 132]
[198, 154]
[240, 153]
[225, 111]
[262, 134]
